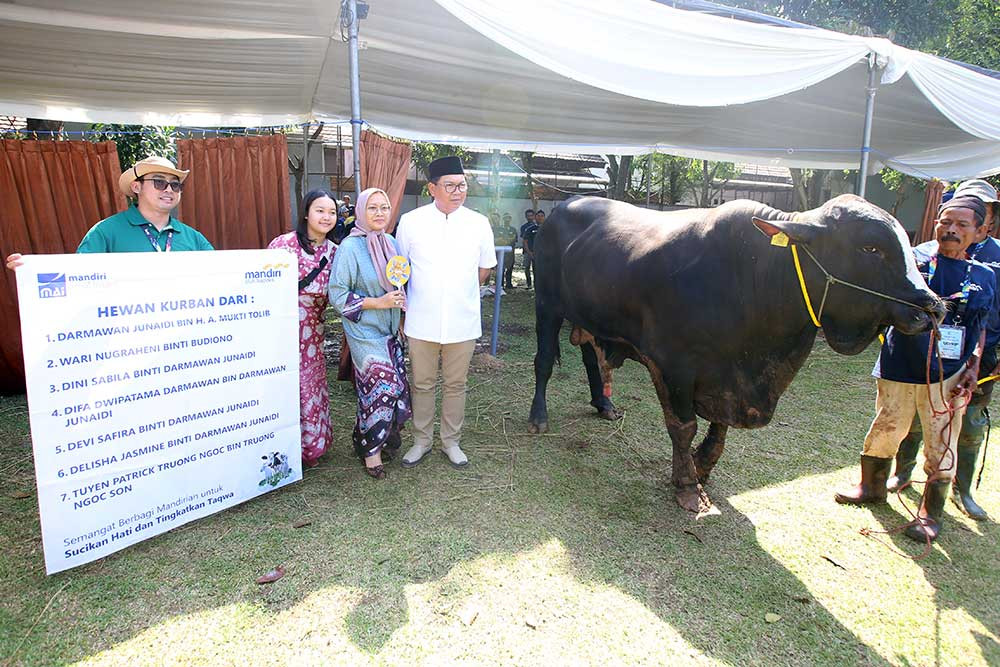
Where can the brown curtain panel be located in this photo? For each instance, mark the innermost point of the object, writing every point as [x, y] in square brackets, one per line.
[932, 201]
[384, 164]
[51, 193]
[237, 193]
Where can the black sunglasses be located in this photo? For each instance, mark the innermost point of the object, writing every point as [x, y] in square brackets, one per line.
[161, 184]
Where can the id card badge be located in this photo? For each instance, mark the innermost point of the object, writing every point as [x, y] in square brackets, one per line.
[951, 343]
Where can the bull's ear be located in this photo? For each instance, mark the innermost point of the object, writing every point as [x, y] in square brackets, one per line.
[798, 232]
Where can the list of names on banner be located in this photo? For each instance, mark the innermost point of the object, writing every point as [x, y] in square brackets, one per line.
[161, 388]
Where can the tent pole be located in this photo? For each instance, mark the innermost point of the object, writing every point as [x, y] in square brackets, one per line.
[495, 177]
[340, 162]
[305, 159]
[866, 145]
[352, 33]
[649, 176]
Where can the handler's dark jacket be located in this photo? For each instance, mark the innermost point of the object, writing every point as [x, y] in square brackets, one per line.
[988, 253]
[904, 358]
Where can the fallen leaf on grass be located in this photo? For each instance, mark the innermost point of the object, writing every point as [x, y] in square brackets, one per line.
[20, 495]
[301, 524]
[772, 618]
[272, 576]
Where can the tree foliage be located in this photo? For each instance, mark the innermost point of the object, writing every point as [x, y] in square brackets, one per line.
[972, 35]
[911, 23]
[668, 177]
[620, 174]
[424, 154]
[963, 30]
[901, 185]
[136, 142]
[708, 179]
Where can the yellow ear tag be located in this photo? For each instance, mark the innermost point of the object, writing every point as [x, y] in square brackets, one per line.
[397, 270]
[780, 239]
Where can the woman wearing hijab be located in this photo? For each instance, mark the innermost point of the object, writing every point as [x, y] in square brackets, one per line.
[310, 243]
[371, 307]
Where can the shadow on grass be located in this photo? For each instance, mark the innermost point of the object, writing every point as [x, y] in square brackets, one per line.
[710, 585]
[600, 490]
[954, 569]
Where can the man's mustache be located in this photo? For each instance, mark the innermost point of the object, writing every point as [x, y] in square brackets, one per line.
[950, 237]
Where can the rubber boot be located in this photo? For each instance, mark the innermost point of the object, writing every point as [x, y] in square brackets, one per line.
[930, 513]
[874, 471]
[961, 491]
[906, 460]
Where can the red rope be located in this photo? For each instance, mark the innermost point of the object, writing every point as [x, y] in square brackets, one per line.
[951, 407]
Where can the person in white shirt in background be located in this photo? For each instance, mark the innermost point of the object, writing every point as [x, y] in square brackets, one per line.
[450, 250]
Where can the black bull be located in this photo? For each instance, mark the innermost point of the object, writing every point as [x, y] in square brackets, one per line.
[713, 308]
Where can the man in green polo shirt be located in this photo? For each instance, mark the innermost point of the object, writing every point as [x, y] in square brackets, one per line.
[155, 185]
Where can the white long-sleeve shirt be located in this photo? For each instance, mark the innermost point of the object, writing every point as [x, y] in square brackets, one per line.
[445, 254]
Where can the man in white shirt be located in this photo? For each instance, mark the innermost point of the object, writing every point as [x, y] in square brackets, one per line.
[450, 250]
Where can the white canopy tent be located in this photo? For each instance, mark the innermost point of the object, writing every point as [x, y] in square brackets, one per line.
[557, 75]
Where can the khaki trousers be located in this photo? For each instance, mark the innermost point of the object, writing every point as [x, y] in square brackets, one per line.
[895, 405]
[454, 362]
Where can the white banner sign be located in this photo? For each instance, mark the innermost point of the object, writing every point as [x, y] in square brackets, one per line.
[162, 387]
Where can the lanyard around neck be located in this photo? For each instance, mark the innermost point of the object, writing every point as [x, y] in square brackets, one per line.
[963, 293]
[152, 241]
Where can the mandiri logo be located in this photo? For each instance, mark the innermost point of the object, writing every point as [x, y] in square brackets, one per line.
[268, 274]
[51, 285]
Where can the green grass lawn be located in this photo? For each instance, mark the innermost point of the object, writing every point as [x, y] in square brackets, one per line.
[561, 549]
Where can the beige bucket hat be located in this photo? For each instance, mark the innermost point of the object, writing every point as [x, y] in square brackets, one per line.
[150, 165]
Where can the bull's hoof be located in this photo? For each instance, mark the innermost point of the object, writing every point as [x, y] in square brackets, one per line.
[696, 501]
[606, 409]
[538, 427]
[611, 415]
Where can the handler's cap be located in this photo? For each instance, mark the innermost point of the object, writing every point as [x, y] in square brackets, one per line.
[979, 188]
[445, 166]
[974, 204]
[150, 165]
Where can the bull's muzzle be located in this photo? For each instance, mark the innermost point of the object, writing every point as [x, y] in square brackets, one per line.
[915, 321]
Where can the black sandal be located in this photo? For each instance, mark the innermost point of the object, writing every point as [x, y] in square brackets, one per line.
[377, 472]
